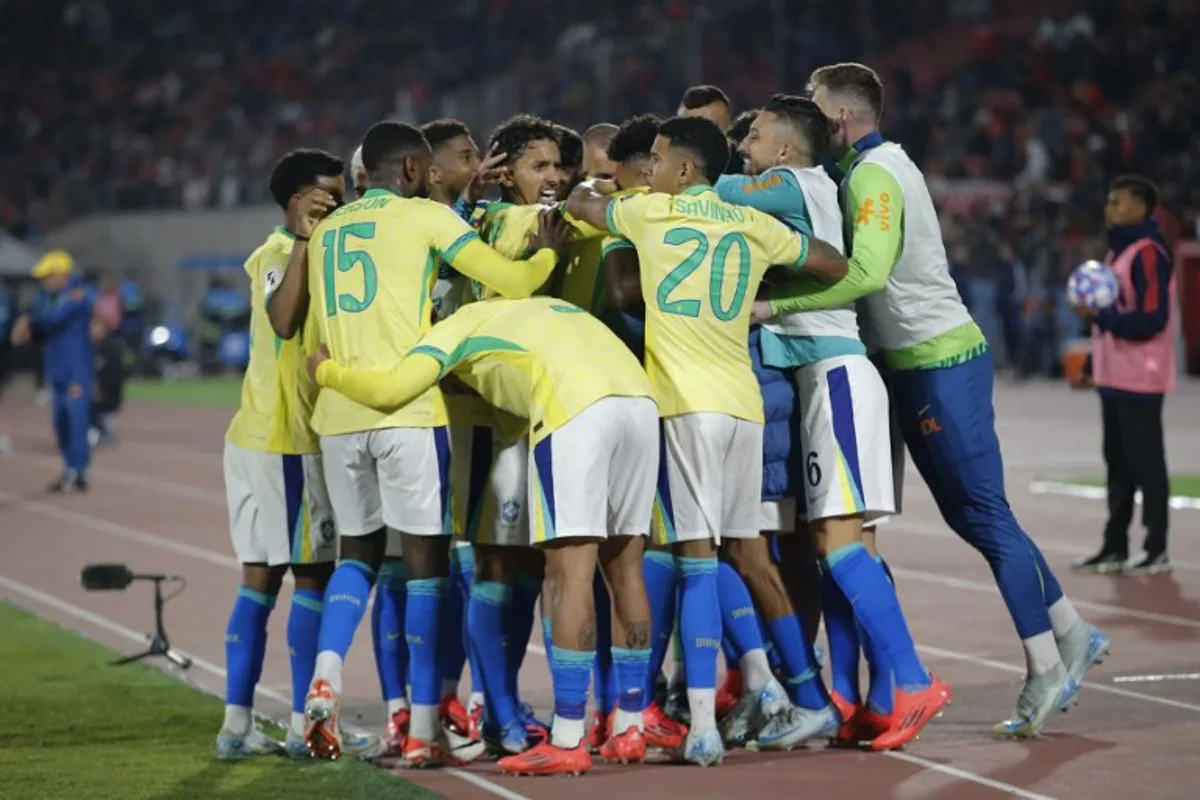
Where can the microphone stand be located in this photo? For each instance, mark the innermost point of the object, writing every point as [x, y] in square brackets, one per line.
[159, 646]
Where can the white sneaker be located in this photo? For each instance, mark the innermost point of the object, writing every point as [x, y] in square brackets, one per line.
[704, 748]
[752, 712]
[232, 746]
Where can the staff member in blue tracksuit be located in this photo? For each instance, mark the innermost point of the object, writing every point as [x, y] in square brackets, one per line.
[60, 319]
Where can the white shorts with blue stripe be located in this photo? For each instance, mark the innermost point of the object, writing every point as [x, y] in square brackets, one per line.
[279, 510]
[846, 469]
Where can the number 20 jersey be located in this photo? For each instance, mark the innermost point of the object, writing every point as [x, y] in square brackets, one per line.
[701, 262]
[371, 270]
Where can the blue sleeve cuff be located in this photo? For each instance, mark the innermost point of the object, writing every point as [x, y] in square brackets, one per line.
[462, 241]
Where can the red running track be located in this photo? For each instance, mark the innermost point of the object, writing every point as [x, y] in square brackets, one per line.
[157, 503]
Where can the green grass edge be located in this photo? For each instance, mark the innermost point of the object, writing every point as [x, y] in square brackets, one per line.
[84, 728]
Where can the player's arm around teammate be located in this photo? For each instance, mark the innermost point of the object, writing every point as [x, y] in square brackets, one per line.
[592, 424]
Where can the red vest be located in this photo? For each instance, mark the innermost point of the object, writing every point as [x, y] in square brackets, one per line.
[1147, 367]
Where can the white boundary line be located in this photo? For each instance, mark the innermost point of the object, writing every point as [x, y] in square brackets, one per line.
[216, 671]
[1177, 502]
[468, 777]
[120, 531]
[154, 540]
[1178, 676]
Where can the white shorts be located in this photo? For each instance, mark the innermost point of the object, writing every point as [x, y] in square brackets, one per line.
[491, 481]
[709, 479]
[777, 516]
[398, 477]
[279, 510]
[594, 476]
[846, 440]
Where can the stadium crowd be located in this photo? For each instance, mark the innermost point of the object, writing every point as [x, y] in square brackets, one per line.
[190, 114]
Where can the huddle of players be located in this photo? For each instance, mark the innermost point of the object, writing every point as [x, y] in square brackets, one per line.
[519, 420]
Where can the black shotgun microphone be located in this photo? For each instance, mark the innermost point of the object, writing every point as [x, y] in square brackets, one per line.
[117, 577]
[106, 577]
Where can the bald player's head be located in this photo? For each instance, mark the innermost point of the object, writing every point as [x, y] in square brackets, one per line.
[358, 173]
[596, 163]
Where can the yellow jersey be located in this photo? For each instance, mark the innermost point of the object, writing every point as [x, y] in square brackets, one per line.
[507, 227]
[541, 359]
[277, 395]
[701, 262]
[372, 268]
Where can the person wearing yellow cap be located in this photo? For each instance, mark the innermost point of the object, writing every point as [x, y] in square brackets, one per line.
[60, 320]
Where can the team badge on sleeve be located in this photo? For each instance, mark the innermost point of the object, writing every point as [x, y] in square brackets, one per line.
[271, 279]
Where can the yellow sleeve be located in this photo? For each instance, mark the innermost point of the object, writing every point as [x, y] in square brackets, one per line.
[459, 246]
[784, 246]
[583, 230]
[626, 216]
[385, 392]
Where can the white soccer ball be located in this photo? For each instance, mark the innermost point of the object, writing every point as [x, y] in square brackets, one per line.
[1092, 286]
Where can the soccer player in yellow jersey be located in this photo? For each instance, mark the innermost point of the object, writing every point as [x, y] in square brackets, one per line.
[593, 445]
[456, 166]
[279, 512]
[371, 270]
[701, 262]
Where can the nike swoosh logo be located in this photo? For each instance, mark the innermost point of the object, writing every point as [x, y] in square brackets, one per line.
[921, 413]
[391, 637]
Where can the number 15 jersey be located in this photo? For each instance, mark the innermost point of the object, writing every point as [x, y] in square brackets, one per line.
[371, 270]
[702, 260]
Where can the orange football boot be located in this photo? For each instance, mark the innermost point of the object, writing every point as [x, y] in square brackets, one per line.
[546, 759]
[661, 731]
[397, 732]
[454, 716]
[910, 714]
[429, 755]
[730, 692]
[628, 747]
[598, 734]
[321, 730]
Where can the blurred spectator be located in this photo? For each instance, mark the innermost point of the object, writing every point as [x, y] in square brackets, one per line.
[112, 364]
[133, 320]
[108, 303]
[1036, 106]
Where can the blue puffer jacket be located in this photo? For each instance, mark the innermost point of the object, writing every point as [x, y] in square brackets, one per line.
[779, 410]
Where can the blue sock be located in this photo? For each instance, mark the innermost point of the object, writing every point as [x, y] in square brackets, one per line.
[659, 571]
[728, 650]
[245, 639]
[629, 667]
[886, 570]
[880, 687]
[739, 620]
[774, 659]
[487, 623]
[524, 603]
[877, 610]
[603, 675]
[454, 643]
[803, 675]
[880, 690]
[423, 626]
[841, 628]
[304, 625]
[571, 671]
[700, 621]
[387, 632]
[344, 606]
